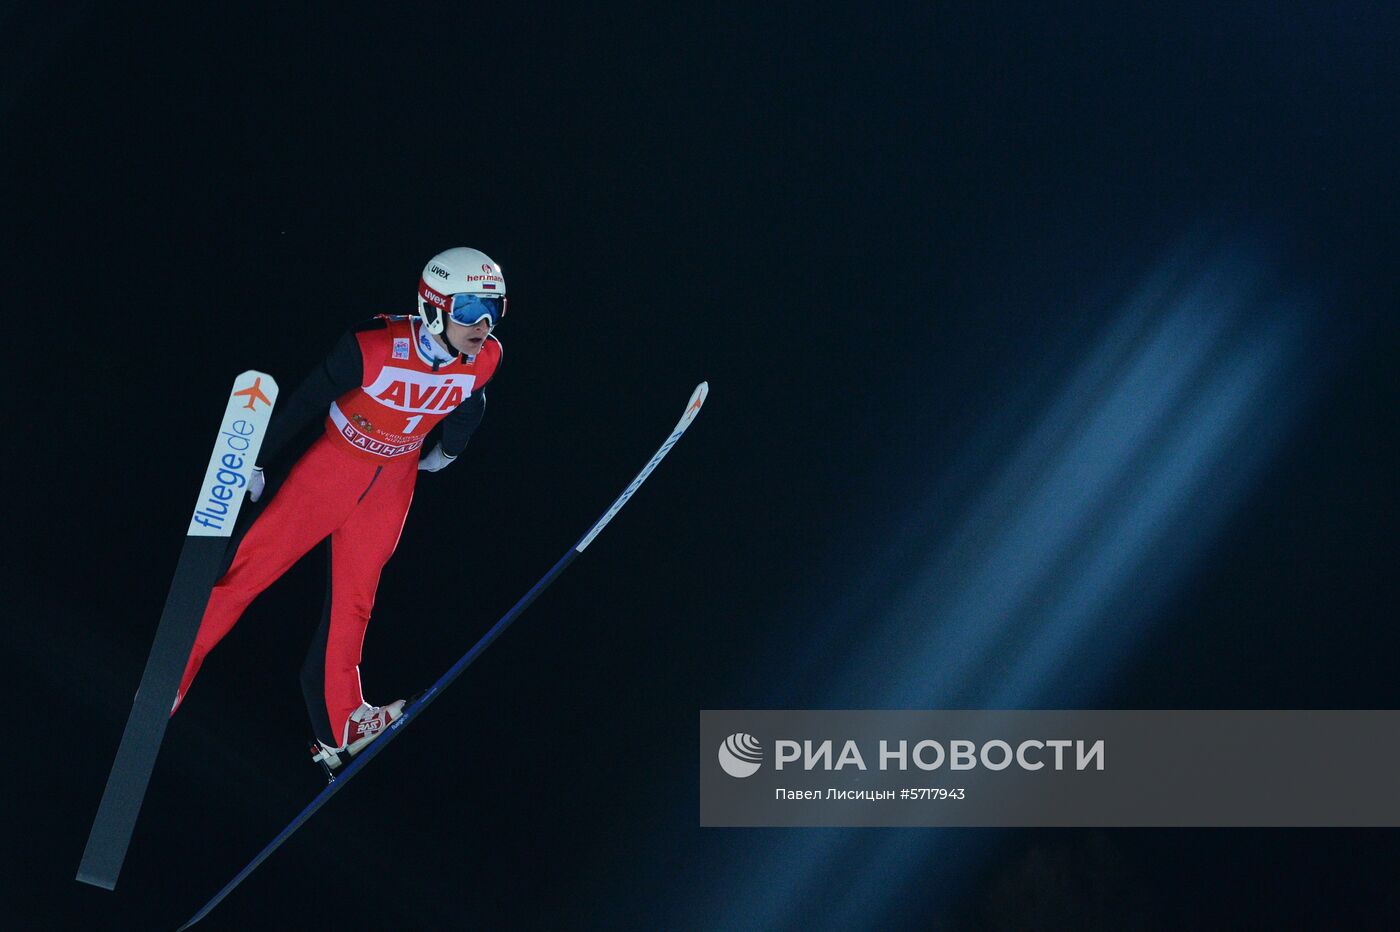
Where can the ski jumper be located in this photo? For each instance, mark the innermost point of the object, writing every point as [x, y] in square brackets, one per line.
[351, 488]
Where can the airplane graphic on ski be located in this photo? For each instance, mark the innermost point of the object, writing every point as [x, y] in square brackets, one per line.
[254, 394]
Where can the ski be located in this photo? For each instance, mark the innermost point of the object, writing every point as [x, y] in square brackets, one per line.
[359, 761]
[236, 449]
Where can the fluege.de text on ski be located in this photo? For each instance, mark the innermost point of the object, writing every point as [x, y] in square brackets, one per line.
[230, 479]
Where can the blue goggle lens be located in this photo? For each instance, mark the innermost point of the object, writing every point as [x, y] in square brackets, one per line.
[468, 309]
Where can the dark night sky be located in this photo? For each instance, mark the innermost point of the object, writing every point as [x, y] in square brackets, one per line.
[874, 231]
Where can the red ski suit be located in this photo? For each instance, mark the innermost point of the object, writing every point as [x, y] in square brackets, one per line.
[354, 485]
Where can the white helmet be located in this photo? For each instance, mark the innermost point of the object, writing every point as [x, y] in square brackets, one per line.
[465, 283]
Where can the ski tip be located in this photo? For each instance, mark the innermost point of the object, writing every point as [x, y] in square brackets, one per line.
[692, 408]
[248, 375]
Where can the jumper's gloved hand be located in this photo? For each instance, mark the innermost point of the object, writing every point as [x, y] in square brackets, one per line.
[256, 484]
[435, 459]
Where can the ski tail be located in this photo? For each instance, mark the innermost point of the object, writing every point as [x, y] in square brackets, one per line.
[697, 399]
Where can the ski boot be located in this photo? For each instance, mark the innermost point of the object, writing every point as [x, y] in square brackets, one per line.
[364, 725]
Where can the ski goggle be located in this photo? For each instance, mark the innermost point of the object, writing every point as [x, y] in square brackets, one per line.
[464, 308]
[469, 309]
